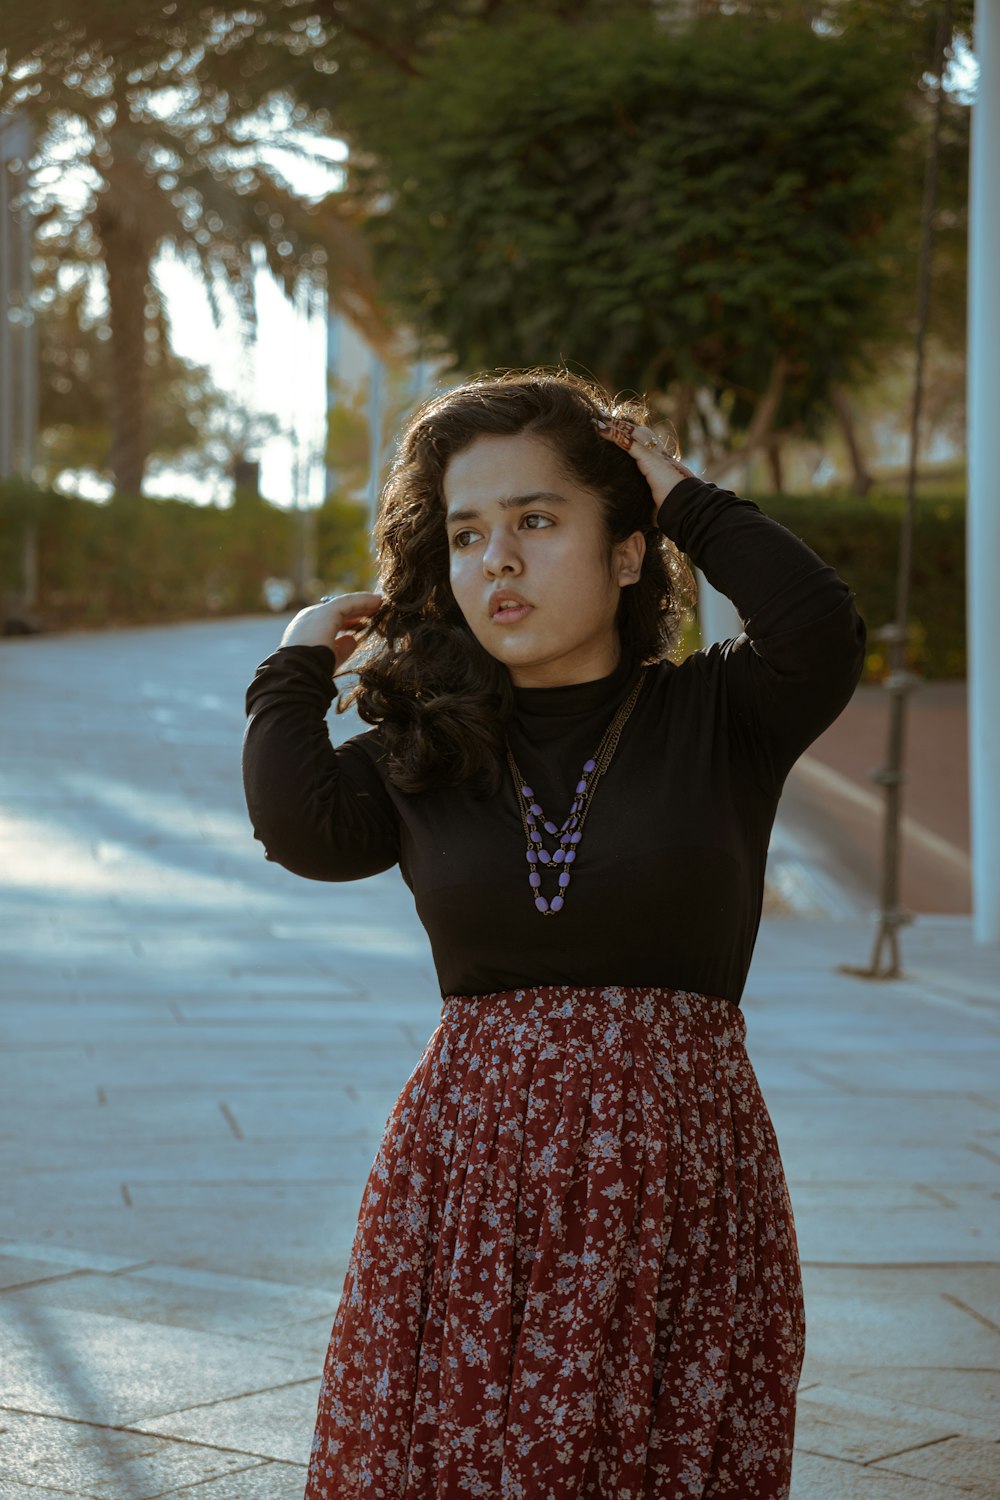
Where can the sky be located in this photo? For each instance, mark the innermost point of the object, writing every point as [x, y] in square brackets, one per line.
[283, 372]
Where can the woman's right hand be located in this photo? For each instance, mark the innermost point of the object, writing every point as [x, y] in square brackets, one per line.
[331, 623]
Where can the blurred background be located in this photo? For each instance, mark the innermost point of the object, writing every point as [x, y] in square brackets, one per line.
[238, 245]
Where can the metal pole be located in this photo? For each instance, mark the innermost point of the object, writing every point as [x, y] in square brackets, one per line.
[983, 518]
[899, 682]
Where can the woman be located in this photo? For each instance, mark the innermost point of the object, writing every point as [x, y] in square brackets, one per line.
[575, 1270]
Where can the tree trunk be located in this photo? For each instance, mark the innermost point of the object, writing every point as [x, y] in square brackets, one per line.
[681, 415]
[761, 428]
[127, 266]
[775, 467]
[862, 479]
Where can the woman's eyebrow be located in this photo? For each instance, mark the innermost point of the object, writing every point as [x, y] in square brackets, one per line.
[510, 502]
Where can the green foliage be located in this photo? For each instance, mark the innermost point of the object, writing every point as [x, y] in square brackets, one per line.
[136, 560]
[189, 418]
[652, 205]
[149, 149]
[343, 546]
[653, 198]
[860, 539]
[159, 560]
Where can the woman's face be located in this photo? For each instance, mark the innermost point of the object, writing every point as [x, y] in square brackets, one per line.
[520, 530]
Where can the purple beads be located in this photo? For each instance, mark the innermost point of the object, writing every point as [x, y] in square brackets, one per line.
[569, 835]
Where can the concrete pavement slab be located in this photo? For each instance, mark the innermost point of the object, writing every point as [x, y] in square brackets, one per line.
[864, 1429]
[976, 1461]
[818, 1478]
[200, 1052]
[182, 1297]
[969, 1398]
[899, 1317]
[63, 1362]
[12, 1490]
[935, 827]
[263, 1481]
[270, 1424]
[54, 1455]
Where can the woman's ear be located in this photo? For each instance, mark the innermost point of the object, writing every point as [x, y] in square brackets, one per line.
[628, 559]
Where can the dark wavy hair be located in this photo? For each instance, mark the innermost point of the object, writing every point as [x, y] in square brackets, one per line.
[441, 700]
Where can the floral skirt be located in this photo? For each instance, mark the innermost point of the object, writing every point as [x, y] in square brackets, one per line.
[575, 1270]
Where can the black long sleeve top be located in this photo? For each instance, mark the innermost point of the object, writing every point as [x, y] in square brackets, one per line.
[668, 885]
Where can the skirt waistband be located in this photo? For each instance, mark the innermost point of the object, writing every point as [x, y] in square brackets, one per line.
[682, 1010]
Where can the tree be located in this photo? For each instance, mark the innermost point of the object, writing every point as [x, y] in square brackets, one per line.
[192, 426]
[360, 68]
[696, 211]
[145, 151]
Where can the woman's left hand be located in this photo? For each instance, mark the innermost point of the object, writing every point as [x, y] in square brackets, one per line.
[662, 472]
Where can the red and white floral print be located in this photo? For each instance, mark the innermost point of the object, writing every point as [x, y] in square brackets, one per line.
[575, 1271]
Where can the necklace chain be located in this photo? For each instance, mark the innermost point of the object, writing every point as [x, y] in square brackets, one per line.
[572, 829]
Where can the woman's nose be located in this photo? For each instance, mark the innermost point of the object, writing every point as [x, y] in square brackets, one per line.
[500, 555]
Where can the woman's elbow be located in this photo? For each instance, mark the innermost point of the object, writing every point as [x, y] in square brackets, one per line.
[315, 861]
[857, 647]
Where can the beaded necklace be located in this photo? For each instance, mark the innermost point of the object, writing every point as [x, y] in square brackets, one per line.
[561, 860]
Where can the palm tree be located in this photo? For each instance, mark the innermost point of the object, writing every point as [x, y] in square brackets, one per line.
[139, 156]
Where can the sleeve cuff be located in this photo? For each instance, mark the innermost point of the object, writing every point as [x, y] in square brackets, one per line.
[295, 670]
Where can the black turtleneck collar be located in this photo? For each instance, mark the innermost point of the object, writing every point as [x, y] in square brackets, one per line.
[577, 697]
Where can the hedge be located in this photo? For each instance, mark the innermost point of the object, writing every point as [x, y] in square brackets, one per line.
[134, 561]
[144, 560]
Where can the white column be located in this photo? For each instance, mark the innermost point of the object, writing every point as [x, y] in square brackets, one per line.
[717, 617]
[983, 519]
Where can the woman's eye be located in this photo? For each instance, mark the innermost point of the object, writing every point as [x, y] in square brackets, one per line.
[534, 521]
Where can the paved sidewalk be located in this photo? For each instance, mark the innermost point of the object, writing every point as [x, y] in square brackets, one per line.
[200, 1051]
[839, 811]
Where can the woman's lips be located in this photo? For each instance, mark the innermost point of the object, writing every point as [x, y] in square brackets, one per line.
[511, 616]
